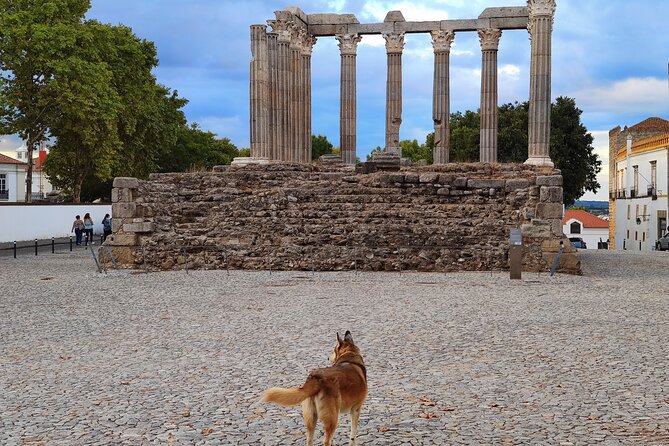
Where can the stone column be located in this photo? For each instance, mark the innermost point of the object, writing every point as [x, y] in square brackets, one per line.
[280, 27]
[272, 152]
[307, 47]
[394, 47]
[441, 42]
[348, 44]
[489, 43]
[294, 119]
[259, 92]
[540, 26]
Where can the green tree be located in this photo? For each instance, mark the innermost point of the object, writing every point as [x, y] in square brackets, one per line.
[33, 37]
[512, 134]
[196, 149]
[415, 151]
[320, 146]
[465, 137]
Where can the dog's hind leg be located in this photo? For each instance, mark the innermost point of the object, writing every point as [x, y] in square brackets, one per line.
[328, 413]
[310, 418]
[355, 417]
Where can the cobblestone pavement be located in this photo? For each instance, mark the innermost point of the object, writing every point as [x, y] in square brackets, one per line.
[476, 359]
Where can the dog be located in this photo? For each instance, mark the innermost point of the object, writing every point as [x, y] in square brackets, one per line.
[329, 391]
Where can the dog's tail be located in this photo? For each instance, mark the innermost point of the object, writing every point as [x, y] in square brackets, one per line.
[294, 396]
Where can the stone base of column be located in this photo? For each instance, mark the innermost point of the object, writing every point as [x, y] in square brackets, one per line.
[540, 161]
[247, 160]
[395, 151]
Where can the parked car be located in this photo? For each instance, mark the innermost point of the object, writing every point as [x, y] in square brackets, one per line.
[663, 243]
[578, 242]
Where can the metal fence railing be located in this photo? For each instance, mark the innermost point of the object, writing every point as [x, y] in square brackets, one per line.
[35, 247]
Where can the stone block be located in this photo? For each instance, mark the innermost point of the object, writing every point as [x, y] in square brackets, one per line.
[479, 183]
[411, 178]
[444, 191]
[460, 182]
[520, 183]
[331, 19]
[549, 210]
[123, 210]
[126, 182]
[428, 178]
[365, 168]
[121, 195]
[505, 11]
[550, 194]
[536, 229]
[550, 180]
[139, 227]
[528, 213]
[117, 224]
[122, 240]
[445, 178]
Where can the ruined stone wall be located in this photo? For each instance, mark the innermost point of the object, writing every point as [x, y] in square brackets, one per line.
[454, 217]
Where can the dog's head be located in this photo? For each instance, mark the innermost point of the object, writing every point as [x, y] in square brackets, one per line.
[343, 346]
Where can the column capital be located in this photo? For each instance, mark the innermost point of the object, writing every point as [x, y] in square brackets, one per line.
[537, 8]
[394, 42]
[348, 43]
[442, 40]
[489, 38]
[282, 30]
[307, 42]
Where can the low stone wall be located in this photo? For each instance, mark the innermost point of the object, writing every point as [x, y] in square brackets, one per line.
[454, 217]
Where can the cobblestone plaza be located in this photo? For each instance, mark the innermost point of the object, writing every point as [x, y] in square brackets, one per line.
[474, 358]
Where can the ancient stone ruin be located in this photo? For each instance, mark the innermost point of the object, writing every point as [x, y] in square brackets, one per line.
[278, 210]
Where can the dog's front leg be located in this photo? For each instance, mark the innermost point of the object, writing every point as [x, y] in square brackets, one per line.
[355, 417]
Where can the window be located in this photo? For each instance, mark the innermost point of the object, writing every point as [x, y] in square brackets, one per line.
[636, 215]
[3, 182]
[645, 211]
[628, 212]
[636, 181]
[575, 228]
[653, 173]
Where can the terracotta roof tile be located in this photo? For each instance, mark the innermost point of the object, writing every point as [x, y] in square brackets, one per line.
[587, 219]
[4, 159]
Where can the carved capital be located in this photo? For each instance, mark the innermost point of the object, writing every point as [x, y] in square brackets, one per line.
[348, 43]
[282, 30]
[307, 42]
[489, 38]
[442, 40]
[538, 8]
[394, 43]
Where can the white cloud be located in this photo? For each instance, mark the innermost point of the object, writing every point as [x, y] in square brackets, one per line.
[9, 143]
[377, 9]
[336, 5]
[511, 72]
[647, 96]
[601, 148]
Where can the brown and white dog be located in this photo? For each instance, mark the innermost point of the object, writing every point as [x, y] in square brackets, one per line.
[328, 392]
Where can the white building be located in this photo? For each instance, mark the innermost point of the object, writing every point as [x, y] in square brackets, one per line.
[579, 223]
[41, 184]
[638, 171]
[12, 179]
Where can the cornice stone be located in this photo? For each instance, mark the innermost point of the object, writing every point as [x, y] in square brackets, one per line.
[442, 40]
[394, 42]
[489, 38]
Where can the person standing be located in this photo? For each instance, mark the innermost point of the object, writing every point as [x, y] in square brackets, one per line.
[78, 228]
[88, 228]
[107, 226]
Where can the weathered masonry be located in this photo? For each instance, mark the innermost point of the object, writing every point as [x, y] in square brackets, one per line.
[281, 79]
[451, 217]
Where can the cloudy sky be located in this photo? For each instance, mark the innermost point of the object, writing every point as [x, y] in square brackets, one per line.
[610, 55]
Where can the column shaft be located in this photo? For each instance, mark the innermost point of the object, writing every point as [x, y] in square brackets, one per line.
[539, 120]
[294, 122]
[394, 47]
[441, 41]
[488, 138]
[272, 96]
[259, 92]
[347, 110]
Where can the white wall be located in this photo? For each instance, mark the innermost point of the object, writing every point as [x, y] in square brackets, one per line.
[28, 222]
[591, 236]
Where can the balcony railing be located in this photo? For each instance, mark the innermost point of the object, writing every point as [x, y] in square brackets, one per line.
[4, 194]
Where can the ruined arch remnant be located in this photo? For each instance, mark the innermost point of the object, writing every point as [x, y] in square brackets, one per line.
[281, 79]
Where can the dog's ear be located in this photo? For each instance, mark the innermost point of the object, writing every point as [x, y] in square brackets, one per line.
[339, 341]
[348, 337]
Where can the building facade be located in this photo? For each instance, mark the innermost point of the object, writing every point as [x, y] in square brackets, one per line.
[638, 181]
[12, 179]
[579, 223]
[41, 184]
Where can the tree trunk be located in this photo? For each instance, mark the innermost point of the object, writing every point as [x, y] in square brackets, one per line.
[29, 174]
[76, 190]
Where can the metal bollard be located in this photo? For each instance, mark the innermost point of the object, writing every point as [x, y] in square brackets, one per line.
[35, 246]
[53, 246]
[14, 248]
[70, 243]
